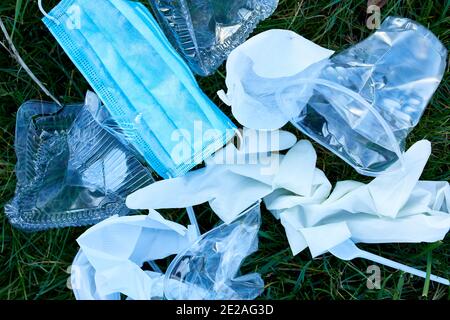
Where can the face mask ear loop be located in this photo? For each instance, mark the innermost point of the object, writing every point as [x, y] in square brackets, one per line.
[41, 8]
[358, 98]
[22, 63]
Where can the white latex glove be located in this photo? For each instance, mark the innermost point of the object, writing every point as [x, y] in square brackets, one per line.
[394, 207]
[113, 252]
[232, 181]
[293, 54]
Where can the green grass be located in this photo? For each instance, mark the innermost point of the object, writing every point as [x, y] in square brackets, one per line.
[33, 266]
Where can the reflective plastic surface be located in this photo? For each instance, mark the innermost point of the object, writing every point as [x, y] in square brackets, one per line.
[70, 170]
[206, 31]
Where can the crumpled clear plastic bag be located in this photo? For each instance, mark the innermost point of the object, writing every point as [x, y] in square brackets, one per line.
[206, 31]
[361, 103]
[208, 269]
[71, 170]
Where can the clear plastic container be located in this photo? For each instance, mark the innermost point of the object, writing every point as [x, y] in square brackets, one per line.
[71, 170]
[206, 31]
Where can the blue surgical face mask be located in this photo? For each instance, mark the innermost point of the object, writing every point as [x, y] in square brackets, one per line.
[146, 86]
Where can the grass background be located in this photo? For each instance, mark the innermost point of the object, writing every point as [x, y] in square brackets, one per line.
[33, 266]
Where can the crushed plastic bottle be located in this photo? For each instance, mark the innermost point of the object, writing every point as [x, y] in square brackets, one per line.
[71, 170]
[208, 269]
[206, 31]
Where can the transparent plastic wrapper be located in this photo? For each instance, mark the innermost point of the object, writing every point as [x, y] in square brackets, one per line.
[71, 170]
[208, 269]
[146, 86]
[206, 31]
[361, 103]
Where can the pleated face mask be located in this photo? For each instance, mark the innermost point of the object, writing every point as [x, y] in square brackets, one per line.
[148, 89]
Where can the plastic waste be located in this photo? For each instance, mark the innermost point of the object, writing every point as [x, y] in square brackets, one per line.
[230, 182]
[360, 103]
[208, 269]
[393, 208]
[347, 250]
[113, 252]
[82, 280]
[71, 171]
[147, 87]
[206, 31]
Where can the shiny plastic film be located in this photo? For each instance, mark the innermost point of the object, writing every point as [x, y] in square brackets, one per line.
[146, 86]
[206, 31]
[209, 268]
[71, 171]
[396, 70]
[361, 103]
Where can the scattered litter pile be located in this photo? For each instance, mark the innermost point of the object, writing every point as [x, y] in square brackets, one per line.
[93, 163]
